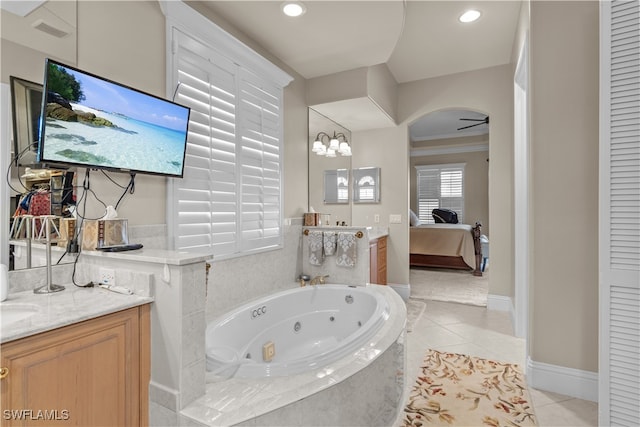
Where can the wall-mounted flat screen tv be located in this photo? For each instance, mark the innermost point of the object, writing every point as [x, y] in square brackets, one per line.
[93, 122]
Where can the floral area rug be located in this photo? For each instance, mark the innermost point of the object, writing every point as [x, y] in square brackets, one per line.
[459, 390]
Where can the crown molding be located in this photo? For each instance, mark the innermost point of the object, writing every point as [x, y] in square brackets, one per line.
[453, 149]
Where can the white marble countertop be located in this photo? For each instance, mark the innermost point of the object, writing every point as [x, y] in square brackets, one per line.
[377, 232]
[158, 256]
[51, 311]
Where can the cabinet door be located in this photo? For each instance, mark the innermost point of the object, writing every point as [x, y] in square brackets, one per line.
[373, 261]
[87, 374]
[382, 260]
[378, 261]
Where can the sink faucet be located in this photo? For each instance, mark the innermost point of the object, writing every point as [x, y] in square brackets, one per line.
[318, 280]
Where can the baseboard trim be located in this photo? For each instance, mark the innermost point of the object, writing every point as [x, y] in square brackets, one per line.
[499, 303]
[562, 380]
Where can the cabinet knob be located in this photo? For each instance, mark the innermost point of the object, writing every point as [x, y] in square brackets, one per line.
[3, 372]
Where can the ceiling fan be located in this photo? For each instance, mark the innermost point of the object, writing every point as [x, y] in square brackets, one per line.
[480, 122]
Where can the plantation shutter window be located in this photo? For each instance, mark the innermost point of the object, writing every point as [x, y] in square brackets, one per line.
[440, 186]
[229, 201]
[619, 216]
[260, 160]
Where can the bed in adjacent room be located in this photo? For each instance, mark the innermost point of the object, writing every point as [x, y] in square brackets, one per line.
[446, 245]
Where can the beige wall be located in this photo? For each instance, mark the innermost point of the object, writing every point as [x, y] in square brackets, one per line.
[564, 160]
[387, 149]
[489, 91]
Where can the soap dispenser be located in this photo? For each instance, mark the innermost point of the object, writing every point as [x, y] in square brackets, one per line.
[4, 282]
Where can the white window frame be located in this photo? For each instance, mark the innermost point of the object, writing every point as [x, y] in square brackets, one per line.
[438, 200]
[184, 23]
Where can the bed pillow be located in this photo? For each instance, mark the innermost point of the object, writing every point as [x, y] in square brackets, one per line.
[414, 221]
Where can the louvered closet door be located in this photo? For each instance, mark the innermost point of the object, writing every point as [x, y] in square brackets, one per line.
[619, 395]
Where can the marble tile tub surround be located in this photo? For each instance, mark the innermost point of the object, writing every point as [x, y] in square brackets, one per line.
[236, 281]
[309, 398]
[360, 273]
[178, 284]
[152, 236]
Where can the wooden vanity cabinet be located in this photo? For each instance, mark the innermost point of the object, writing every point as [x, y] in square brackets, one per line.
[92, 373]
[378, 260]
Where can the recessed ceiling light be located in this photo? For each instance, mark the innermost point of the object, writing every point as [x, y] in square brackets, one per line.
[293, 8]
[469, 16]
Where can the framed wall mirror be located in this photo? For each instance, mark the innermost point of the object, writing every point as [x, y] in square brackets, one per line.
[366, 185]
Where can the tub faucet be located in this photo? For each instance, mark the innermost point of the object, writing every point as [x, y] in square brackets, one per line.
[318, 280]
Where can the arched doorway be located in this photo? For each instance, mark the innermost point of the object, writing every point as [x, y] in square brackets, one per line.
[449, 168]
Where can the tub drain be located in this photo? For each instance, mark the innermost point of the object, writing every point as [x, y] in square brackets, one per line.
[297, 327]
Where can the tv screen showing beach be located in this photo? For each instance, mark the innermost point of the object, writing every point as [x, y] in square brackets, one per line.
[96, 123]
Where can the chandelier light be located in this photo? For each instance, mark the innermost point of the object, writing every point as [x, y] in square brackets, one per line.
[336, 144]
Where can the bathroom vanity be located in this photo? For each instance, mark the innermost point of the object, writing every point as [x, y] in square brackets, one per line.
[81, 355]
[378, 260]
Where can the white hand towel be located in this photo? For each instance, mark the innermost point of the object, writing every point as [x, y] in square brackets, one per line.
[330, 240]
[316, 253]
[347, 249]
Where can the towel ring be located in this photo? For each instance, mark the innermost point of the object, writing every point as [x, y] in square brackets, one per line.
[359, 234]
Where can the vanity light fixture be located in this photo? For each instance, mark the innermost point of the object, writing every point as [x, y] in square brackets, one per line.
[469, 16]
[293, 8]
[336, 144]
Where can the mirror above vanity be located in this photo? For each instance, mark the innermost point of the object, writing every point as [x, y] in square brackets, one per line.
[333, 185]
[328, 176]
[31, 32]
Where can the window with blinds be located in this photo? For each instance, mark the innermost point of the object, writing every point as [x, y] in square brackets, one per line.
[230, 199]
[440, 186]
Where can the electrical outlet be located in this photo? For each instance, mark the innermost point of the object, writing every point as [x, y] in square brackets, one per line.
[107, 276]
[376, 218]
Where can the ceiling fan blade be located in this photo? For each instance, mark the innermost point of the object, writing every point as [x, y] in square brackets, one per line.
[470, 126]
[475, 120]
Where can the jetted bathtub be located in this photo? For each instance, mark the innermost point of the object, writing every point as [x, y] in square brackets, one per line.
[285, 359]
[293, 331]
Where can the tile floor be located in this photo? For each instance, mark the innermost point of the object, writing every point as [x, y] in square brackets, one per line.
[487, 333]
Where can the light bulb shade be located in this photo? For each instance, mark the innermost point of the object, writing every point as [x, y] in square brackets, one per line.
[334, 144]
[331, 152]
[318, 146]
